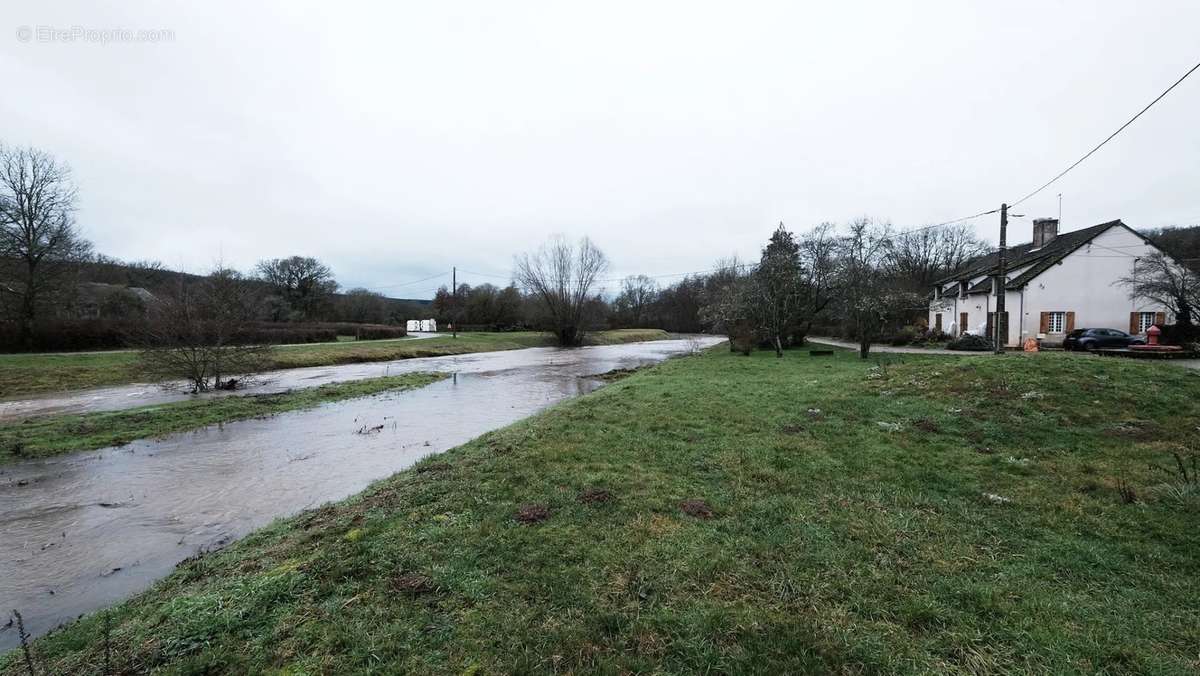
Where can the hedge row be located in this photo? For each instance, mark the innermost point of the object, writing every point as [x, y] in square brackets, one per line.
[283, 334]
[379, 332]
[68, 335]
[345, 328]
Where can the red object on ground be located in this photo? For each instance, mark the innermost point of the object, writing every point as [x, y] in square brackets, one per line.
[1152, 345]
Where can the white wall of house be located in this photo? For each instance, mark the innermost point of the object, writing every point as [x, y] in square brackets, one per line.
[1085, 283]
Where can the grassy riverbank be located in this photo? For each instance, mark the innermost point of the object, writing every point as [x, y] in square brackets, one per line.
[909, 514]
[51, 435]
[40, 373]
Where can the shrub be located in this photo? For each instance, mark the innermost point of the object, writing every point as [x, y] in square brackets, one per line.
[741, 338]
[906, 335]
[286, 334]
[57, 335]
[935, 336]
[375, 332]
[70, 335]
[970, 343]
[1179, 334]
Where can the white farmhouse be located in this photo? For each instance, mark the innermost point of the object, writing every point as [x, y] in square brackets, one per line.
[1055, 284]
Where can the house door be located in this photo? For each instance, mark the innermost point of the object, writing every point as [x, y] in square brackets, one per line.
[937, 322]
[962, 323]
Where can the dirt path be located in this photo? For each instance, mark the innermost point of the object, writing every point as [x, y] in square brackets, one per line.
[876, 347]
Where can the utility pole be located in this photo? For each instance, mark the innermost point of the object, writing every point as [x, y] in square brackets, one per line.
[454, 302]
[1001, 285]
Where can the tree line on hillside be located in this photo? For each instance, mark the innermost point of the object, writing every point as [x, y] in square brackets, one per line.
[56, 292]
[854, 281]
[860, 280]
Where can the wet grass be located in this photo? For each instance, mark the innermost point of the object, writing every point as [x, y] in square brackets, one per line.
[50, 435]
[41, 373]
[908, 514]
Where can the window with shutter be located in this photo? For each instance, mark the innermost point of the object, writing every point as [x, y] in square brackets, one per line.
[1056, 322]
[1145, 321]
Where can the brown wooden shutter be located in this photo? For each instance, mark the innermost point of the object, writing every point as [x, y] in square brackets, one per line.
[1133, 323]
[1160, 318]
[1070, 322]
[1044, 326]
[937, 322]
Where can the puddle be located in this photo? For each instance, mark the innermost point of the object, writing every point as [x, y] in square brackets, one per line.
[82, 531]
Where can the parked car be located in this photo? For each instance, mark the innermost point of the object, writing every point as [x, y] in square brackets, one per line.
[1090, 339]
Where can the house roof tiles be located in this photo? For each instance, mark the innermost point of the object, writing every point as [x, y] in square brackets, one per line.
[1037, 260]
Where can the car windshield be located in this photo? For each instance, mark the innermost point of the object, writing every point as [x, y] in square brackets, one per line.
[1076, 333]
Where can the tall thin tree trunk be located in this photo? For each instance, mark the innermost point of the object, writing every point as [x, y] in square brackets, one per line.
[864, 346]
[28, 307]
[28, 316]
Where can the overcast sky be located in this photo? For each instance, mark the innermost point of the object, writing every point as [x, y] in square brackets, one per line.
[394, 140]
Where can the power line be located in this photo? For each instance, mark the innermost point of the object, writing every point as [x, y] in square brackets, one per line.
[961, 219]
[486, 274]
[1110, 136]
[950, 222]
[415, 281]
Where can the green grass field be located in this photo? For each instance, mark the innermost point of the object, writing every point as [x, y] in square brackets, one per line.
[40, 373]
[728, 514]
[50, 435]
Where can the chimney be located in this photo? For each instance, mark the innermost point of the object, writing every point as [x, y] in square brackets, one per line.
[1044, 231]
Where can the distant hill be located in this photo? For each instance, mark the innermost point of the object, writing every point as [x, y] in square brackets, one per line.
[1181, 242]
[157, 279]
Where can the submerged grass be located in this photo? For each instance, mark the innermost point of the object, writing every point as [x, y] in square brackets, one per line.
[50, 435]
[40, 373]
[908, 514]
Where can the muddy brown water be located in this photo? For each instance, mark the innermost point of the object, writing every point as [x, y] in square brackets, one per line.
[82, 531]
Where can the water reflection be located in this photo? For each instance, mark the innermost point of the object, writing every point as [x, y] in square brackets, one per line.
[82, 531]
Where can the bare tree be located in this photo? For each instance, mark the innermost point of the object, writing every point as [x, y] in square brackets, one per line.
[918, 257]
[560, 276]
[638, 293]
[726, 304]
[37, 232]
[1159, 279]
[303, 284]
[204, 334]
[818, 261]
[868, 295]
[362, 305]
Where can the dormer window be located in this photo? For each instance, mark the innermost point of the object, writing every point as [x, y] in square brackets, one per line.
[962, 289]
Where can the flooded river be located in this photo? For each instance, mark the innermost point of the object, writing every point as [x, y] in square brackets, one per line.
[82, 531]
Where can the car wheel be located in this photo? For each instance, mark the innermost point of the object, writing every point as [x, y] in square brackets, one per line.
[1089, 346]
